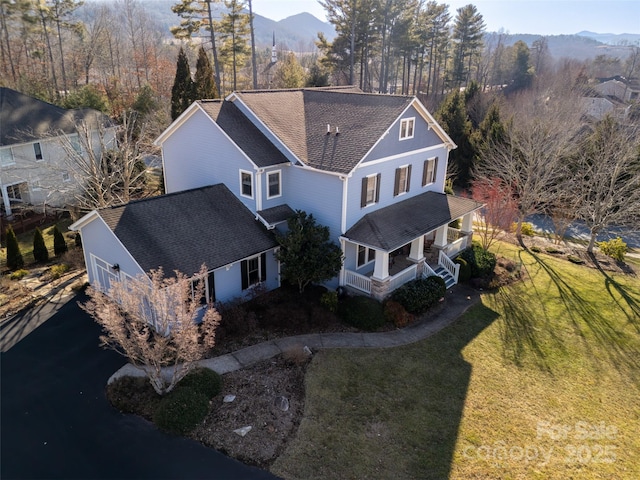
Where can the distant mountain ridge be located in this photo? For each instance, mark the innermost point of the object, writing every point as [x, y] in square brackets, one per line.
[612, 38]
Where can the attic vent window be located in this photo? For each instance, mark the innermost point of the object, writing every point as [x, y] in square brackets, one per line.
[406, 128]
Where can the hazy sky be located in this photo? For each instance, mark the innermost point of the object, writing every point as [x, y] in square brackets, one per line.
[544, 17]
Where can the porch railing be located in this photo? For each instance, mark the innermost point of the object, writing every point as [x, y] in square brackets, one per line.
[453, 234]
[357, 281]
[456, 247]
[427, 271]
[403, 277]
[449, 265]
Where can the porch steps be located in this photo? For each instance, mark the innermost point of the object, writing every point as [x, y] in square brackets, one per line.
[446, 276]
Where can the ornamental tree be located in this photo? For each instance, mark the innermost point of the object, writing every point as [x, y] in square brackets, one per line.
[306, 253]
[40, 252]
[157, 323]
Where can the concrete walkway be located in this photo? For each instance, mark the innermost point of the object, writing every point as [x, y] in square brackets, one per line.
[459, 299]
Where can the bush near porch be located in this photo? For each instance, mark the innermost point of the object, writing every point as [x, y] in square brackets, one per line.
[420, 295]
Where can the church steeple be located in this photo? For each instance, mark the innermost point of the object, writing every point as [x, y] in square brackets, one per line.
[274, 55]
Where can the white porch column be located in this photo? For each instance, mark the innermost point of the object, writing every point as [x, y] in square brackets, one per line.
[441, 237]
[381, 269]
[6, 201]
[467, 223]
[417, 249]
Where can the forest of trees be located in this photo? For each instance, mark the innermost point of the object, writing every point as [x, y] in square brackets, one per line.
[490, 96]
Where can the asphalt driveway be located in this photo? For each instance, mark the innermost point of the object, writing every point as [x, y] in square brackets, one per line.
[57, 423]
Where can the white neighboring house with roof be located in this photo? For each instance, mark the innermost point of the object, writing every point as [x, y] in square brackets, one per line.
[34, 164]
[370, 167]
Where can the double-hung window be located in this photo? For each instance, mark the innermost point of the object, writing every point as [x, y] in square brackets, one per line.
[14, 192]
[246, 184]
[209, 289]
[403, 177]
[407, 126]
[274, 188]
[365, 255]
[253, 270]
[370, 190]
[430, 171]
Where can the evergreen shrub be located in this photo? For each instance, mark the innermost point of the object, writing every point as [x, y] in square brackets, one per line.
[481, 261]
[203, 380]
[181, 410]
[40, 252]
[361, 312]
[419, 295]
[614, 248]
[464, 275]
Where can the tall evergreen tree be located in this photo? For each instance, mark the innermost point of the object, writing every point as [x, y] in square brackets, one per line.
[468, 31]
[182, 91]
[234, 29]
[290, 73]
[59, 243]
[452, 115]
[40, 252]
[14, 256]
[522, 71]
[204, 83]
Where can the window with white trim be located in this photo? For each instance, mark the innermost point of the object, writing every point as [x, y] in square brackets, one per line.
[370, 190]
[14, 192]
[402, 182]
[274, 188]
[246, 184]
[6, 157]
[365, 255]
[209, 291]
[37, 150]
[430, 171]
[407, 126]
[253, 270]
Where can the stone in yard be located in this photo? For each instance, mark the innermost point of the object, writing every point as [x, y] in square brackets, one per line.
[229, 398]
[282, 403]
[307, 351]
[243, 431]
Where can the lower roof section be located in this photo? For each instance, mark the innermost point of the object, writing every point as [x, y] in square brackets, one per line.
[392, 227]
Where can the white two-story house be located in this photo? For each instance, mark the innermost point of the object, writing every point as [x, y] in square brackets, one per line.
[35, 137]
[370, 167]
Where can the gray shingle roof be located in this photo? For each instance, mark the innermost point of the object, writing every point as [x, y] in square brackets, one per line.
[396, 225]
[277, 214]
[244, 133]
[24, 118]
[299, 118]
[181, 231]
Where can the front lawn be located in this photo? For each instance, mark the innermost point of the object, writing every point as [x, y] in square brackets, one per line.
[540, 380]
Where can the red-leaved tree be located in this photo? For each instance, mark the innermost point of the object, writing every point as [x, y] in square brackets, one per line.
[499, 211]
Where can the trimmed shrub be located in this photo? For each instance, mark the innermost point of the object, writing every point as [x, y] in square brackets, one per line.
[14, 256]
[203, 380]
[526, 230]
[330, 301]
[40, 252]
[481, 261]
[361, 312]
[19, 274]
[419, 295]
[181, 410]
[395, 313]
[133, 395]
[57, 271]
[464, 274]
[59, 243]
[553, 251]
[535, 249]
[614, 248]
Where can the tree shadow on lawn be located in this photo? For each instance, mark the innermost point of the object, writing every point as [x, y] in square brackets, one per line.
[586, 319]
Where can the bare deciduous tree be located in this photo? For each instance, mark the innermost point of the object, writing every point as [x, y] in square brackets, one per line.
[498, 212]
[153, 321]
[607, 178]
[532, 158]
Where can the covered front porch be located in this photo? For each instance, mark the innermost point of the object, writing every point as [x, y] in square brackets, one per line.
[412, 239]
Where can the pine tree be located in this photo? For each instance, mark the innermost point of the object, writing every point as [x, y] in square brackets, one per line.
[40, 252]
[59, 243]
[290, 74]
[204, 82]
[182, 91]
[14, 257]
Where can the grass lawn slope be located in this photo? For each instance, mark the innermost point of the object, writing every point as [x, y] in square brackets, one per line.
[540, 380]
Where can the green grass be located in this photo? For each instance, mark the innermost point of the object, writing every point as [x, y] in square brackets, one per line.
[510, 390]
[25, 240]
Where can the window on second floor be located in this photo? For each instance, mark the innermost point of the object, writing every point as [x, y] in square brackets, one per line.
[246, 184]
[6, 157]
[370, 190]
[403, 177]
[273, 184]
[430, 171]
[37, 150]
[406, 128]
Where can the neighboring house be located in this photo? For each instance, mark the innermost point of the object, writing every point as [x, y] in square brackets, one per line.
[621, 88]
[370, 167]
[34, 166]
[181, 231]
